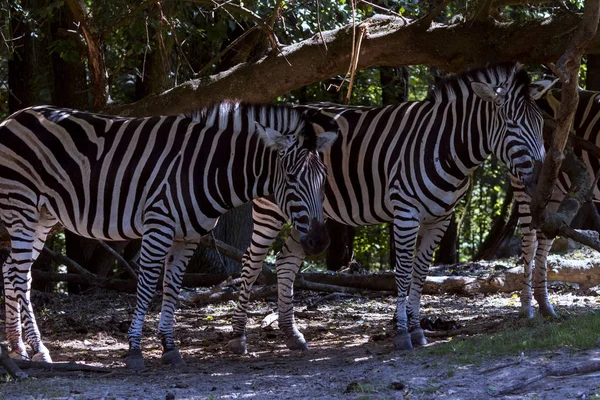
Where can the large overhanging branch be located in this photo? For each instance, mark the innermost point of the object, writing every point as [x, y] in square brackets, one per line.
[567, 70]
[389, 41]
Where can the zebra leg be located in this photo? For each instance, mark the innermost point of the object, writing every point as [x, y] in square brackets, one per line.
[156, 244]
[540, 288]
[528, 246]
[429, 238]
[405, 235]
[28, 235]
[289, 261]
[177, 260]
[268, 221]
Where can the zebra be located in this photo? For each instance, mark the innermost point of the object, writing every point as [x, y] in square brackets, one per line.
[163, 179]
[408, 163]
[535, 246]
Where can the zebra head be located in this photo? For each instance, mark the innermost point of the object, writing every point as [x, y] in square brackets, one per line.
[516, 125]
[300, 179]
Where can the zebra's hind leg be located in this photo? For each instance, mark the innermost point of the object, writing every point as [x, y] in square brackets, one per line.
[28, 234]
[268, 221]
[540, 287]
[176, 262]
[429, 238]
[156, 243]
[288, 264]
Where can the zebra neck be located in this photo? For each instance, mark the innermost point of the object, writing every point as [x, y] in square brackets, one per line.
[462, 146]
[234, 170]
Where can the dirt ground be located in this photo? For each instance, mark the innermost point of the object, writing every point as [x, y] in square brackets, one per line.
[351, 352]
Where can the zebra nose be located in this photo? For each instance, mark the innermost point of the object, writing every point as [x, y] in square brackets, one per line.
[316, 240]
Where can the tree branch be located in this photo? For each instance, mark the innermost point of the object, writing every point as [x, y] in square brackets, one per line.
[389, 42]
[567, 69]
[503, 3]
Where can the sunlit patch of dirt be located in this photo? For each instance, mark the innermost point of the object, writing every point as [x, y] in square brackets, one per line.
[351, 351]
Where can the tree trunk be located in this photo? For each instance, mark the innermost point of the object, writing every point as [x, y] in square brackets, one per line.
[447, 251]
[341, 246]
[487, 248]
[235, 229]
[592, 80]
[155, 63]
[95, 52]
[70, 84]
[21, 64]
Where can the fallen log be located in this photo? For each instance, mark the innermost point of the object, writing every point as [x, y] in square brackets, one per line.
[585, 273]
[123, 285]
[60, 366]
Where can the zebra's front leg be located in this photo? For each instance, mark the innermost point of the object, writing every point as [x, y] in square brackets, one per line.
[540, 287]
[155, 247]
[429, 238]
[289, 261]
[176, 262]
[405, 234]
[528, 246]
[266, 228]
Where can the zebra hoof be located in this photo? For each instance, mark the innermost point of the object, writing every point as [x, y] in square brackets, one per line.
[43, 356]
[547, 310]
[135, 361]
[417, 337]
[237, 345]
[403, 341]
[527, 312]
[18, 355]
[296, 343]
[172, 357]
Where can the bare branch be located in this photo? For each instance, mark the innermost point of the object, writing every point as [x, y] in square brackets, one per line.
[427, 19]
[119, 258]
[87, 275]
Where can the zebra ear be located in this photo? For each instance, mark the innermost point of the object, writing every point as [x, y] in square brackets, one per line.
[273, 138]
[488, 93]
[325, 140]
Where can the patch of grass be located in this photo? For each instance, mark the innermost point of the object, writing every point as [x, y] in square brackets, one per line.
[364, 386]
[576, 331]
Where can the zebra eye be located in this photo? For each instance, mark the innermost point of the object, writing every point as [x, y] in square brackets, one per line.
[291, 178]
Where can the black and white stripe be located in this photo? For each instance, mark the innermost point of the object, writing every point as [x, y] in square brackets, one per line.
[407, 163]
[535, 245]
[163, 179]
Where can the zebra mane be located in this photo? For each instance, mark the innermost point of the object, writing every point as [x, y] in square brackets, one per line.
[495, 75]
[280, 117]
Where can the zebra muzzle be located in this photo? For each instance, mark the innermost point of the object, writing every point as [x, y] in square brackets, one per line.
[316, 240]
